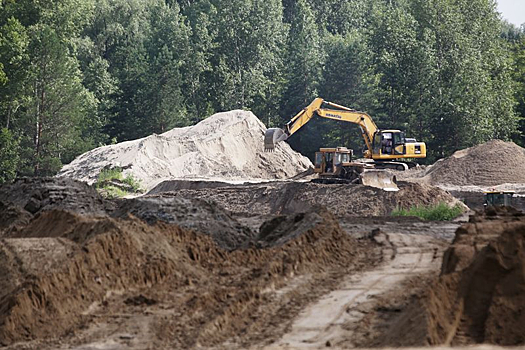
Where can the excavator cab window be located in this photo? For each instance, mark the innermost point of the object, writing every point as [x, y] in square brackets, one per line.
[399, 138]
[377, 143]
[399, 143]
[345, 157]
[386, 143]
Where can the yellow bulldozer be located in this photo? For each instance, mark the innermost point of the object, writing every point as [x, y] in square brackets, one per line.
[385, 149]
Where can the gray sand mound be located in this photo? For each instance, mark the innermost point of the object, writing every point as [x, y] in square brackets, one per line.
[227, 146]
[492, 163]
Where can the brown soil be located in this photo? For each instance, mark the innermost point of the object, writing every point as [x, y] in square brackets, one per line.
[289, 197]
[194, 214]
[492, 163]
[63, 272]
[177, 270]
[478, 298]
[27, 197]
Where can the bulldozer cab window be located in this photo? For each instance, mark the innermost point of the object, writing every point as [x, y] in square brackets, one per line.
[345, 158]
[318, 159]
[338, 158]
[329, 157]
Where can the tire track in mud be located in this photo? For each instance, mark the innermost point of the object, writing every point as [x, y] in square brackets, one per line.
[323, 323]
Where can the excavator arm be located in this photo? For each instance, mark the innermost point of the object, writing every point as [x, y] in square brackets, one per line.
[336, 112]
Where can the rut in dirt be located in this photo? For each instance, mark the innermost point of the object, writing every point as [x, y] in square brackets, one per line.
[333, 319]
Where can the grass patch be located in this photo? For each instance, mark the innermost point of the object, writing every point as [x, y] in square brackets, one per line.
[109, 174]
[437, 212]
[112, 184]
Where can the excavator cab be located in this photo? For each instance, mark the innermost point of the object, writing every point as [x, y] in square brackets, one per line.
[392, 144]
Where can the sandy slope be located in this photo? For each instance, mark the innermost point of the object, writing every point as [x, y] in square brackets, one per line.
[226, 146]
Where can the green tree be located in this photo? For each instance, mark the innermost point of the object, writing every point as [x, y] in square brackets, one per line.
[247, 56]
[58, 104]
[197, 70]
[9, 155]
[348, 80]
[518, 74]
[48, 104]
[303, 73]
[14, 58]
[444, 71]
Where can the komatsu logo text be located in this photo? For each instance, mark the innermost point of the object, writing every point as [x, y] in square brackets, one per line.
[333, 115]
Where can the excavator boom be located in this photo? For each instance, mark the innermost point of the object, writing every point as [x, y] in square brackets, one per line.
[384, 146]
[337, 112]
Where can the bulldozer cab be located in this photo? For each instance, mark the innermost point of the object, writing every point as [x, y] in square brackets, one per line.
[329, 160]
[498, 198]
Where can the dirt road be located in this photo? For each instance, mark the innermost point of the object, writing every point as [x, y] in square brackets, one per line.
[333, 320]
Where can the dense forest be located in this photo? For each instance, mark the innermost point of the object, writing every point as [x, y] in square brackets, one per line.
[78, 74]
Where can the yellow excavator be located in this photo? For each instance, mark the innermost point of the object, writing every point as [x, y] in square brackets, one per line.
[384, 148]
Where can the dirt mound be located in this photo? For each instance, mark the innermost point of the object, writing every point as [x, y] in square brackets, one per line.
[291, 197]
[27, 197]
[492, 163]
[194, 214]
[226, 145]
[479, 296]
[39, 194]
[53, 284]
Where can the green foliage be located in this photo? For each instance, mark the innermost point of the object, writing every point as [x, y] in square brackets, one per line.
[76, 74]
[9, 155]
[108, 180]
[134, 183]
[109, 174]
[438, 212]
[111, 192]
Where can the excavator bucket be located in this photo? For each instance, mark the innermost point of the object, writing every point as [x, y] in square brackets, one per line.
[272, 137]
[379, 179]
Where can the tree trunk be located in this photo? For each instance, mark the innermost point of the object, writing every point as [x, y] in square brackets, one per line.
[39, 123]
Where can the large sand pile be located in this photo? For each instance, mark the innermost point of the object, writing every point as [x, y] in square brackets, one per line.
[492, 163]
[226, 146]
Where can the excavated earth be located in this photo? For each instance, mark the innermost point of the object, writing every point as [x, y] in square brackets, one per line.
[176, 272]
[478, 297]
[466, 174]
[277, 265]
[185, 270]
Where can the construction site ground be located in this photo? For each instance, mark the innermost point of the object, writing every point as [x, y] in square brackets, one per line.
[82, 272]
[281, 264]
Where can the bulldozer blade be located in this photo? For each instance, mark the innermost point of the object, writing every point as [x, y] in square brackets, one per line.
[272, 137]
[379, 179]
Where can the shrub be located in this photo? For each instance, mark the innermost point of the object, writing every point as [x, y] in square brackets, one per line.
[438, 212]
[112, 190]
